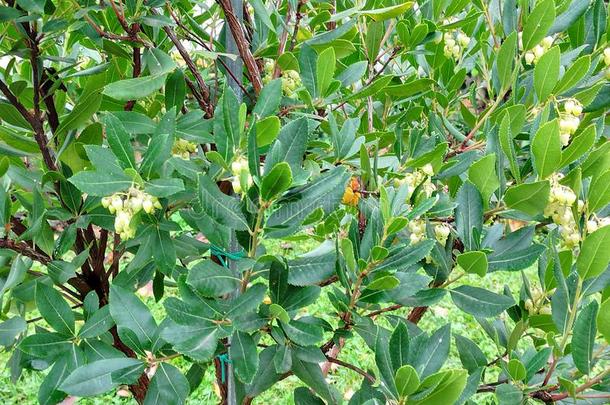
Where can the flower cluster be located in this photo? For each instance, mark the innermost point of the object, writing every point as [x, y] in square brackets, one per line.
[416, 178]
[536, 305]
[455, 43]
[242, 179]
[595, 223]
[417, 228]
[569, 122]
[532, 56]
[607, 62]
[559, 208]
[183, 148]
[352, 195]
[291, 80]
[126, 206]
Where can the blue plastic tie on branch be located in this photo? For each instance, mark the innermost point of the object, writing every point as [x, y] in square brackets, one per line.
[224, 360]
[220, 253]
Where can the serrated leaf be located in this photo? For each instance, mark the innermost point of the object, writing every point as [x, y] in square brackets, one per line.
[480, 302]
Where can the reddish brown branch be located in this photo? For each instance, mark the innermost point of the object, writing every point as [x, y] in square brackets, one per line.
[242, 45]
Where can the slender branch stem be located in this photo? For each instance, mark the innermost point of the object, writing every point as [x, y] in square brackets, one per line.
[351, 367]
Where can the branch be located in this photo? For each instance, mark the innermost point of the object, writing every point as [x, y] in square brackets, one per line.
[34, 122]
[242, 45]
[193, 37]
[204, 97]
[352, 367]
[24, 249]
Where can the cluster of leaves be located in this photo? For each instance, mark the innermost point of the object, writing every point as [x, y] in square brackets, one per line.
[412, 141]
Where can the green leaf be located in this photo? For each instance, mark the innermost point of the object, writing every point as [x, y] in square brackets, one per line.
[45, 345]
[474, 262]
[384, 283]
[134, 89]
[325, 192]
[573, 75]
[530, 198]
[268, 100]
[516, 370]
[482, 174]
[244, 356]
[583, 338]
[599, 192]
[163, 250]
[580, 145]
[514, 259]
[212, 280]
[175, 90]
[399, 346]
[290, 146]
[158, 62]
[407, 381]
[546, 149]
[480, 302]
[302, 333]
[308, 69]
[276, 311]
[222, 208]
[325, 69]
[546, 73]
[10, 328]
[428, 354]
[164, 187]
[508, 394]
[97, 183]
[168, 387]
[403, 258]
[132, 315]
[276, 181]
[267, 130]
[471, 356]
[469, 215]
[538, 23]
[311, 374]
[383, 360]
[603, 320]
[594, 253]
[506, 60]
[506, 143]
[97, 323]
[443, 387]
[282, 360]
[382, 14]
[54, 309]
[371, 89]
[85, 107]
[119, 141]
[100, 376]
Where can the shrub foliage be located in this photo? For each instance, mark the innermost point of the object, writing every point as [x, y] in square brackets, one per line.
[420, 145]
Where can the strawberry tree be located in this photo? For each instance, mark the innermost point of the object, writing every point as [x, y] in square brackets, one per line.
[410, 149]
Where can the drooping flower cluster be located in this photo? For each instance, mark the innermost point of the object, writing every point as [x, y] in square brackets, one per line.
[183, 148]
[532, 56]
[291, 80]
[419, 177]
[125, 206]
[455, 43]
[242, 179]
[417, 228]
[569, 122]
[559, 209]
[351, 196]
